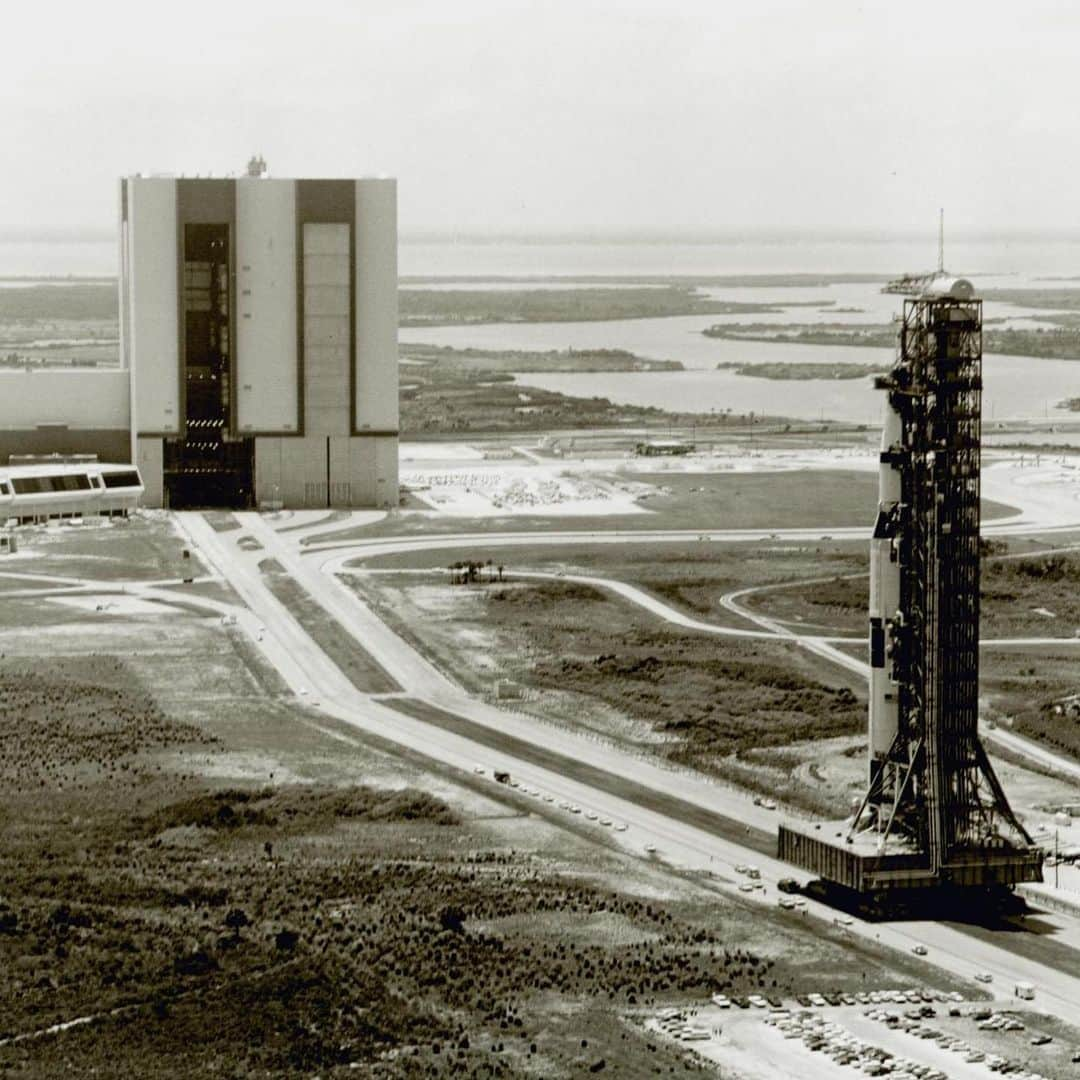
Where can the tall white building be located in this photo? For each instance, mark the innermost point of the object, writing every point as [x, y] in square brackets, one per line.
[258, 321]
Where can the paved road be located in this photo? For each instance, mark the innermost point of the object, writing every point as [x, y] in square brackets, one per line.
[304, 666]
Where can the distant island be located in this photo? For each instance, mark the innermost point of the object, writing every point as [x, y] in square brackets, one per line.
[779, 370]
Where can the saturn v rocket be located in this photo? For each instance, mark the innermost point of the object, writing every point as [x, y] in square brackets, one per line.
[885, 616]
[934, 812]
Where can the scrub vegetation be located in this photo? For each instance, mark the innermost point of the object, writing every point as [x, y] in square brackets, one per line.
[197, 926]
[447, 307]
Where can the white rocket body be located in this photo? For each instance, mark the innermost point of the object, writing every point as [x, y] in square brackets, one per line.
[885, 594]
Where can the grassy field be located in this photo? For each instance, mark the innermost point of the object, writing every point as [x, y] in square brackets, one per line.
[1059, 340]
[1019, 688]
[226, 884]
[602, 664]
[473, 391]
[514, 360]
[60, 325]
[143, 547]
[442, 307]
[787, 372]
[682, 500]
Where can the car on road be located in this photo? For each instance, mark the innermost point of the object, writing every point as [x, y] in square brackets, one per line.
[786, 903]
[788, 885]
[983, 977]
[721, 1001]
[1041, 1040]
[478, 769]
[746, 886]
[919, 950]
[620, 827]
[606, 821]
[650, 849]
[592, 815]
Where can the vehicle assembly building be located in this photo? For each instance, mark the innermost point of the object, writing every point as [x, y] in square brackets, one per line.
[934, 812]
[258, 321]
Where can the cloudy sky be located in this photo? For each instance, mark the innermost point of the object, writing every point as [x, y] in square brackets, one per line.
[517, 115]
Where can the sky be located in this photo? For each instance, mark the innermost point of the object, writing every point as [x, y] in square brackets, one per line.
[516, 116]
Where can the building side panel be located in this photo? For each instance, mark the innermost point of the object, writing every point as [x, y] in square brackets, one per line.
[386, 471]
[267, 371]
[292, 471]
[152, 291]
[376, 377]
[326, 329]
[150, 459]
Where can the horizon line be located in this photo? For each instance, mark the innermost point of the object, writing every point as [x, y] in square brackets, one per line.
[548, 234]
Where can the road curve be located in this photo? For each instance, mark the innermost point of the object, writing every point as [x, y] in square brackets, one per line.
[304, 665]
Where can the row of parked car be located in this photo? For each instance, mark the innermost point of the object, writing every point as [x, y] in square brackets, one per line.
[676, 1023]
[915, 1024]
[911, 996]
[836, 1042]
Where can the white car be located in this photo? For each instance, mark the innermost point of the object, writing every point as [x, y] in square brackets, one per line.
[605, 821]
[620, 827]
[478, 769]
[984, 977]
[592, 815]
[650, 849]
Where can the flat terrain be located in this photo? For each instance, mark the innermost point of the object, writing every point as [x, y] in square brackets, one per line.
[767, 716]
[184, 841]
[474, 391]
[675, 498]
[596, 663]
[71, 324]
[443, 307]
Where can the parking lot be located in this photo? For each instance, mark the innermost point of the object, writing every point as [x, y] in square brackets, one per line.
[899, 1034]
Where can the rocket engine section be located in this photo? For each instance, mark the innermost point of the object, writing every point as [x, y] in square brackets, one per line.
[885, 616]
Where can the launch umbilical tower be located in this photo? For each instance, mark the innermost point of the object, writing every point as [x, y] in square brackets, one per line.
[934, 812]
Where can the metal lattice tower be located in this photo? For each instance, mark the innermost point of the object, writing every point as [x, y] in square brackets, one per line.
[937, 788]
